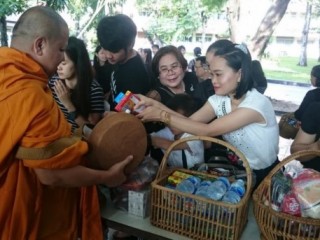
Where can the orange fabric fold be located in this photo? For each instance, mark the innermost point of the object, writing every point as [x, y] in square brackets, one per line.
[31, 119]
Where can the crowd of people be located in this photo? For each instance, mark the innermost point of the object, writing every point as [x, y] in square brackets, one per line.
[49, 89]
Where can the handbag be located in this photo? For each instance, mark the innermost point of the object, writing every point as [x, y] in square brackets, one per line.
[225, 166]
[288, 126]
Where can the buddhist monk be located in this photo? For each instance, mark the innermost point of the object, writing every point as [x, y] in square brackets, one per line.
[46, 190]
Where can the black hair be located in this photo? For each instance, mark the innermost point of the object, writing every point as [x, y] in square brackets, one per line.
[315, 72]
[80, 95]
[197, 51]
[170, 49]
[148, 53]
[181, 47]
[202, 60]
[221, 43]
[258, 77]
[238, 58]
[116, 33]
[96, 62]
[155, 46]
[183, 102]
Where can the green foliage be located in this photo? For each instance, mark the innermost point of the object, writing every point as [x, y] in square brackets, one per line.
[173, 20]
[214, 4]
[58, 5]
[13, 6]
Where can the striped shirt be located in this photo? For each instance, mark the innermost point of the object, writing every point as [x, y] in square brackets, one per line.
[96, 99]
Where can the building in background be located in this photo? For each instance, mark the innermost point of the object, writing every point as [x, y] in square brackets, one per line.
[286, 40]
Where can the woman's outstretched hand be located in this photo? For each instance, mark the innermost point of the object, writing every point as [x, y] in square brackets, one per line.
[149, 114]
[148, 109]
[145, 102]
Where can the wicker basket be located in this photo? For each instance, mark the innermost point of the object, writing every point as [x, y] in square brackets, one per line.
[288, 126]
[277, 225]
[194, 216]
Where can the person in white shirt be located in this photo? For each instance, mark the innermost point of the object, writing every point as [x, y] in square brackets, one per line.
[189, 153]
[245, 118]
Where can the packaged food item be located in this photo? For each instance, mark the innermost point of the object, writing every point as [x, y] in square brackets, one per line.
[306, 186]
[174, 180]
[280, 185]
[181, 174]
[126, 103]
[291, 205]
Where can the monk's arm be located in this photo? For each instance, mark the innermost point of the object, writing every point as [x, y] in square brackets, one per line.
[80, 176]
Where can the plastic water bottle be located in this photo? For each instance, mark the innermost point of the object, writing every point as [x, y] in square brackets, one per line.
[189, 185]
[218, 188]
[231, 197]
[203, 188]
[235, 193]
[238, 187]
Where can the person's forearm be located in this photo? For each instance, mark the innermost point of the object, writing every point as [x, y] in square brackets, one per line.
[164, 144]
[185, 124]
[296, 147]
[77, 176]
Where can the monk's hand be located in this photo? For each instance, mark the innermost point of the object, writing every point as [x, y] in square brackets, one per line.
[116, 174]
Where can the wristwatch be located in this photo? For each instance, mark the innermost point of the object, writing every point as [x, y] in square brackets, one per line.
[72, 115]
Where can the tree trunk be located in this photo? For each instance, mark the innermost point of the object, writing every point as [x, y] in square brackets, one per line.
[267, 26]
[3, 29]
[233, 16]
[319, 50]
[304, 38]
[101, 5]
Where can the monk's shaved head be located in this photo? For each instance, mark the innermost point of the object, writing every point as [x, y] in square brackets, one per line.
[43, 34]
[38, 22]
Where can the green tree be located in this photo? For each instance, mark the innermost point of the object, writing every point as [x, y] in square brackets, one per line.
[214, 4]
[6, 9]
[57, 5]
[173, 20]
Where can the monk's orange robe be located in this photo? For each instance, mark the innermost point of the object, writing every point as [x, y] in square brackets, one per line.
[30, 118]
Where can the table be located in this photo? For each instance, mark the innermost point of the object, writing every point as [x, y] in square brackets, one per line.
[141, 227]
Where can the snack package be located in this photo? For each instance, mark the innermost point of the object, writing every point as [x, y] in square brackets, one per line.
[281, 185]
[126, 103]
[138, 181]
[290, 205]
[306, 186]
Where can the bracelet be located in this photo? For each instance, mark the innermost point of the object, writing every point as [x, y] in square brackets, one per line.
[166, 119]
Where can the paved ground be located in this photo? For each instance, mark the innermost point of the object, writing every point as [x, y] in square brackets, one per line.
[285, 98]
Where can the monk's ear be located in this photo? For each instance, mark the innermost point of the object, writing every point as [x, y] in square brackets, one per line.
[39, 45]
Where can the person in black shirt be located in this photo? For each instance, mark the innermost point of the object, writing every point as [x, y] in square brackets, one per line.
[312, 95]
[308, 136]
[116, 35]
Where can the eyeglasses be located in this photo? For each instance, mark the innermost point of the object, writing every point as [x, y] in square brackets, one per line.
[165, 70]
